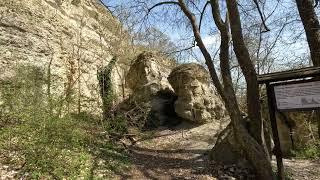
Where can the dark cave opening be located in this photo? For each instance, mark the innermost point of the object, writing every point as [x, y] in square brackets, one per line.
[162, 110]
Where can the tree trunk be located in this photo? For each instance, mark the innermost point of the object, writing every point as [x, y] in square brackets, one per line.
[254, 152]
[253, 146]
[312, 28]
[242, 54]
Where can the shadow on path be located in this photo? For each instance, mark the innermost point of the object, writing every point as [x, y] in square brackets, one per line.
[167, 164]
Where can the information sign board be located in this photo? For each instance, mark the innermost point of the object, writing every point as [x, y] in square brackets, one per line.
[304, 95]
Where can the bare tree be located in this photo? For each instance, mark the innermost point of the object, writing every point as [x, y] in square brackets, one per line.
[251, 144]
[253, 103]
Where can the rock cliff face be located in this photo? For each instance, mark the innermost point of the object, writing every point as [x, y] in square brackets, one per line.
[68, 39]
[197, 101]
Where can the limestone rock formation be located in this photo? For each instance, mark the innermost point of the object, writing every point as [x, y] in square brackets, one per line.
[150, 89]
[196, 101]
[148, 75]
[69, 39]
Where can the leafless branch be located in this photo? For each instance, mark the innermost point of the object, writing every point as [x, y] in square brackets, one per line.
[181, 50]
[202, 13]
[216, 14]
[194, 4]
[316, 3]
[202, 47]
[108, 8]
[163, 3]
[261, 16]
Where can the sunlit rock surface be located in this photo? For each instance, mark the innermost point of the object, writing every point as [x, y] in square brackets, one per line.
[148, 75]
[196, 101]
[71, 38]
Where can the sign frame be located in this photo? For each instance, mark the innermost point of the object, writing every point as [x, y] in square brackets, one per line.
[282, 78]
[273, 85]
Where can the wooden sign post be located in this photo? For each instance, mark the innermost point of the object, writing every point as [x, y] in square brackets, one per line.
[287, 92]
[274, 127]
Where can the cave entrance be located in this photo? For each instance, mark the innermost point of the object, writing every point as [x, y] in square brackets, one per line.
[162, 110]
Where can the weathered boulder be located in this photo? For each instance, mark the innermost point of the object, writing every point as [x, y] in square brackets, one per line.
[148, 75]
[196, 101]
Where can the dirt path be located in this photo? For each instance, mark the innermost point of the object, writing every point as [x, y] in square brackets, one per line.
[182, 154]
[6, 173]
[303, 169]
[174, 154]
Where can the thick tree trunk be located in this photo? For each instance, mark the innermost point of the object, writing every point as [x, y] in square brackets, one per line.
[253, 146]
[254, 152]
[312, 28]
[242, 53]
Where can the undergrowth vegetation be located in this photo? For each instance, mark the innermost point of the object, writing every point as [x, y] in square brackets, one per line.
[310, 151]
[42, 143]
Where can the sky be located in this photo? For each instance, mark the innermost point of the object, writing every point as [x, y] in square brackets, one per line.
[290, 48]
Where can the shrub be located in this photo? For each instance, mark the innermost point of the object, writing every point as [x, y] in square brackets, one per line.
[311, 151]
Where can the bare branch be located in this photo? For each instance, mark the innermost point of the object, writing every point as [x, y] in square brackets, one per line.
[316, 3]
[108, 8]
[202, 13]
[157, 5]
[202, 48]
[181, 50]
[217, 15]
[194, 4]
[163, 3]
[261, 16]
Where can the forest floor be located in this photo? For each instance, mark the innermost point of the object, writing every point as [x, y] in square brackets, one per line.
[179, 153]
[182, 153]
